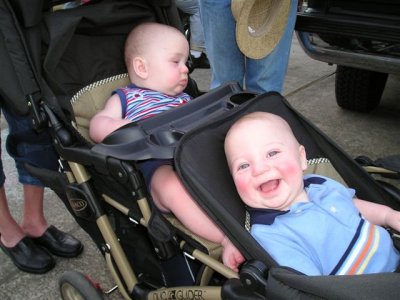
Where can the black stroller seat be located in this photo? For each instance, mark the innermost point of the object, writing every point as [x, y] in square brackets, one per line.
[207, 177]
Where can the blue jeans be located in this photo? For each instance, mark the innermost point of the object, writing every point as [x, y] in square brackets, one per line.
[27, 146]
[191, 7]
[226, 60]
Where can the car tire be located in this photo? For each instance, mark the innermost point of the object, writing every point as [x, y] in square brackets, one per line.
[357, 89]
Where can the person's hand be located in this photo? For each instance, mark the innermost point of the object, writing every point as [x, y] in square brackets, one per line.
[231, 257]
[392, 219]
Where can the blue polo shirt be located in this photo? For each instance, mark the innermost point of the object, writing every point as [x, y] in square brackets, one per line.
[326, 236]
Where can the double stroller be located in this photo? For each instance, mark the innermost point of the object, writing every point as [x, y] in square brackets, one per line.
[60, 65]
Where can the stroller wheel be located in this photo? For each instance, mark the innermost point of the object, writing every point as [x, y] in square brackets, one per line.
[76, 286]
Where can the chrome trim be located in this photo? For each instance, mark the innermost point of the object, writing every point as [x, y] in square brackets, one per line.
[384, 64]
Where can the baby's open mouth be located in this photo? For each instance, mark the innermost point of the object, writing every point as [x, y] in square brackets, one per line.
[269, 186]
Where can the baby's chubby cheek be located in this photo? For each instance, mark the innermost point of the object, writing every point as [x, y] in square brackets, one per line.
[290, 169]
[242, 187]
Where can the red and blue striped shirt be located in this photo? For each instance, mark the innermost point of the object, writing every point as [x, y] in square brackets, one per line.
[139, 103]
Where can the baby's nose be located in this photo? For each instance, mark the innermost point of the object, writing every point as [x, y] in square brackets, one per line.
[184, 69]
[261, 167]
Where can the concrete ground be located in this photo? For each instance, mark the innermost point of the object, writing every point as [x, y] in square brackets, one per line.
[309, 87]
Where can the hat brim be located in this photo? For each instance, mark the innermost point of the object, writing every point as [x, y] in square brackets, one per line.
[260, 26]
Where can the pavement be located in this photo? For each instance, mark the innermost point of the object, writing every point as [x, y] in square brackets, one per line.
[309, 87]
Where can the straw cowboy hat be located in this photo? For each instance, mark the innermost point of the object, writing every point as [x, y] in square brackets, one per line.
[260, 25]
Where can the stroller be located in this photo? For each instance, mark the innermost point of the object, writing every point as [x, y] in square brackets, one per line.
[59, 66]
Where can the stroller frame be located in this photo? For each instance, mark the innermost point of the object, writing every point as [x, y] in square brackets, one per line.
[39, 86]
[160, 135]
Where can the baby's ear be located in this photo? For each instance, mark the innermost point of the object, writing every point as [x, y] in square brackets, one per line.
[303, 157]
[140, 67]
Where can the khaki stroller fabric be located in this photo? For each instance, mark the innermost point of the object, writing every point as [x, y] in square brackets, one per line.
[322, 166]
[89, 100]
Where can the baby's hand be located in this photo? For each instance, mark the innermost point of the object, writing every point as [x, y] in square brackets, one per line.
[231, 257]
[393, 219]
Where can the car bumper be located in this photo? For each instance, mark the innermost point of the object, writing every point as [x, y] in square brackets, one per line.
[318, 50]
[339, 36]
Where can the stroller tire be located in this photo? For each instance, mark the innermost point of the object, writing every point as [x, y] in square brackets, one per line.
[76, 286]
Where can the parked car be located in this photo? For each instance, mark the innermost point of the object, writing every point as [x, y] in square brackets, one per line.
[362, 37]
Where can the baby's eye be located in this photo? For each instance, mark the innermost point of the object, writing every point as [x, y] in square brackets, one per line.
[272, 153]
[243, 166]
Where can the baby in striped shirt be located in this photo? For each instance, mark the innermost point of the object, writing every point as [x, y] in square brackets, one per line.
[156, 56]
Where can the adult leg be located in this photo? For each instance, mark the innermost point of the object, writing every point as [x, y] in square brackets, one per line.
[22, 251]
[192, 8]
[268, 74]
[27, 146]
[34, 223]
[10, 231]
[226, 60]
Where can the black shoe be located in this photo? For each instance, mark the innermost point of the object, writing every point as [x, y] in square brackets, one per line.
[29, 258]
[201, 62]
[59, 243]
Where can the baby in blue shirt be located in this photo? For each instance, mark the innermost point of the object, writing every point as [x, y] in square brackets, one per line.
[311, 223]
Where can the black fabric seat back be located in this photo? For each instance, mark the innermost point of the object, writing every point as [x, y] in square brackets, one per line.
[200, 161]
